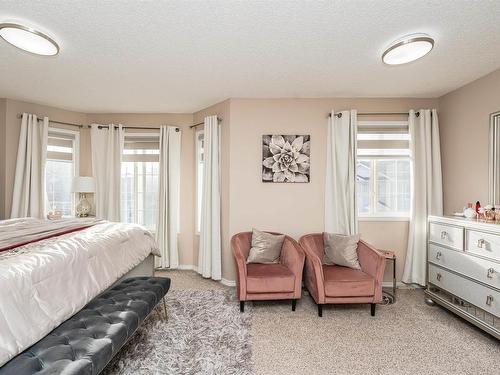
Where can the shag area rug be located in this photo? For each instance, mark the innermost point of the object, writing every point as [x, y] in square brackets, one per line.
[205, 334]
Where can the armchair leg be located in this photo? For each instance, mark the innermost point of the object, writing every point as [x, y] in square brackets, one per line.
[294, 304]
[372, 308]
[320, 310]
[242, 306]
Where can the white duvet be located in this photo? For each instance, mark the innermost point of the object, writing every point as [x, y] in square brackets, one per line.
[44, 283]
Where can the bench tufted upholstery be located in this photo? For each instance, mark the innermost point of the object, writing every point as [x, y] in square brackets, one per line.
[85, 343]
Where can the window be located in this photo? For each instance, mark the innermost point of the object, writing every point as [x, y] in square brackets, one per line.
[383, 172]
[140, 172]
[60, 169]
[199, 176]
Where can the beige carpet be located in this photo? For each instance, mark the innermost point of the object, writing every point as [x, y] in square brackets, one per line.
[406, 338]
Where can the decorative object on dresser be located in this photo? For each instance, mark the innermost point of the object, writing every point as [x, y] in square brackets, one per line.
[83, 185]
[285, 158]
[464, 269]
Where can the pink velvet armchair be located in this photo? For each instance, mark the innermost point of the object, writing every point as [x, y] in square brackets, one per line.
[336, 284]
[257, 281]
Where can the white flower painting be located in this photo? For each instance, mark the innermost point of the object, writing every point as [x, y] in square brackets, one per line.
[286, 158]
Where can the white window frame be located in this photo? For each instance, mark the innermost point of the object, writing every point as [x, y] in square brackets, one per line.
[197, 171]
[136, 182]
[75, 134]
[391, 216]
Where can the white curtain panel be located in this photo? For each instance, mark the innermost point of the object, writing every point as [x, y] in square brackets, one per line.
[340, 186]
[28, 198]
[167, 226]
[427, 190]
[107, 147]
[210, 259]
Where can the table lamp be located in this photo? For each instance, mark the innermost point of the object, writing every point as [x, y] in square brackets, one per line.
[83, 185]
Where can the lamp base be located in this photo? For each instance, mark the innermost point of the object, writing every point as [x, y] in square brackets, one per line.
[83, 207]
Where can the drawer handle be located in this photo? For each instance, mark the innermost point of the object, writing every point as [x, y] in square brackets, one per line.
[481, 243]
[444, 235]
[438, 255]
[438, 277]
[490, 273]
[489, 300]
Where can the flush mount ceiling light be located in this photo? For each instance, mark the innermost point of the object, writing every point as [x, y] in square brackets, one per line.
[407, 49]
[28, 39]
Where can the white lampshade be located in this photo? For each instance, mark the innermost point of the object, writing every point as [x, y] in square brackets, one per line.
[83, 185]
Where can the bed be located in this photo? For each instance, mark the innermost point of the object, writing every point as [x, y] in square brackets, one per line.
[49, 270]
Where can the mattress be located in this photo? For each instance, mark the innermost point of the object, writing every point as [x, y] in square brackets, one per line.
[64, 265]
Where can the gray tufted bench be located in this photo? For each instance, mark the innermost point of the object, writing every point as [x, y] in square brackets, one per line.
[85, 343]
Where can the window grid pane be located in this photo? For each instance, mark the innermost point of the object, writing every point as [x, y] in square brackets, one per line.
[140, 192]
[383, 187]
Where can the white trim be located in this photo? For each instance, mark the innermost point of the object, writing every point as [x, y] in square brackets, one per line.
[383, 218]
[188, 267]
[226, 282]
[400, 285]
[378, 123]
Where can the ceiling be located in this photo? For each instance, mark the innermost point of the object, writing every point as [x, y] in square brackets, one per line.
[181, 56]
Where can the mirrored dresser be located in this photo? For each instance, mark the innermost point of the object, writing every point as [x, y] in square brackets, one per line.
[463, 265]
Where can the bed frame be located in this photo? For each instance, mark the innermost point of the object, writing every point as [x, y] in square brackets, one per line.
[145, 268]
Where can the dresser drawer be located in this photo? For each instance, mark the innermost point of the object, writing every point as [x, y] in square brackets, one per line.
[477, 294]
[447, 235]
[483, 270]
[484, 244]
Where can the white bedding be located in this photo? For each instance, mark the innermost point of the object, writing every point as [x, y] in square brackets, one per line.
[44, 283]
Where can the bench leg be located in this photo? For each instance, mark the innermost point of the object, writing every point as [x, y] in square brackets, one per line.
[165, 309]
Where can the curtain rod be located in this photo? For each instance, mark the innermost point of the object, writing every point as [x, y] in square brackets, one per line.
[339, 115]
[40, 118]
[219, 120]
[132, 127]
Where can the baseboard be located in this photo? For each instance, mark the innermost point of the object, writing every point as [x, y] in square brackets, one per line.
[228, 282]
[232, 283]
[400, 285]
[190, 267]
[187, 267]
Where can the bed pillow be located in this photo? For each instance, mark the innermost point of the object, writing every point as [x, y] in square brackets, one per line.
[341, 250]
[266, 247]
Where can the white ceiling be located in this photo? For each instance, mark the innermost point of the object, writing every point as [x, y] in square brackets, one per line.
[180, 56]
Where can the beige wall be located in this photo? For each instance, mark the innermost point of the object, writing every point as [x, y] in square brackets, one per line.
[222, 110]
[296, 209]
[464, 125]
[187, 207]
[3, 145]
[11, 139]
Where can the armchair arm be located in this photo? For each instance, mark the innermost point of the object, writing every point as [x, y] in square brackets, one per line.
[313, 269]
[292, 256]
[372, 263]
[237, 248]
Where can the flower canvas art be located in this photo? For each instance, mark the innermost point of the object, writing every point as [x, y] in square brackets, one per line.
[286, 158]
